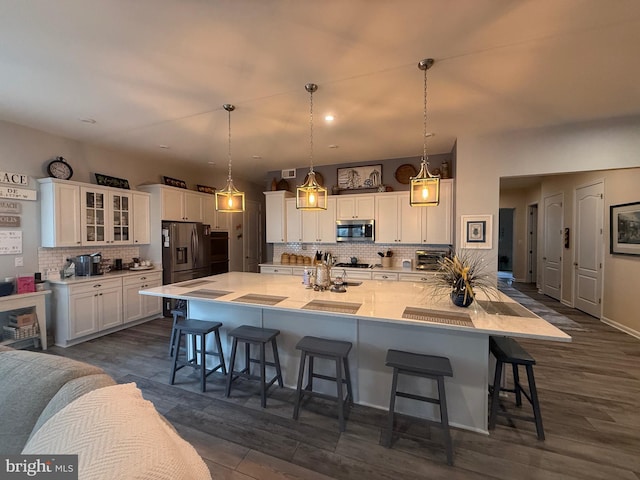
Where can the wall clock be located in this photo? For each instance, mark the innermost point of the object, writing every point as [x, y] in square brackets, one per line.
[59, 168]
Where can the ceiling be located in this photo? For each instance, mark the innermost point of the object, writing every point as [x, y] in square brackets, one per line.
[157, 72]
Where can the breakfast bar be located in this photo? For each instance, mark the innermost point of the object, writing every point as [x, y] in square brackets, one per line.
[374, 316]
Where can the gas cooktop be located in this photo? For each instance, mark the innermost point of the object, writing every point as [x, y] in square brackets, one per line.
[353, 265]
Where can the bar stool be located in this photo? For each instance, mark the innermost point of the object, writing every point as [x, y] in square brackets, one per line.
[335, 350]
[427, 366]
[507, 350]
[179, 311]
[196, 328]
[254, 336]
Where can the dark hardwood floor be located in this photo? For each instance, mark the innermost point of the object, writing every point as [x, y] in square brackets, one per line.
[589, 393]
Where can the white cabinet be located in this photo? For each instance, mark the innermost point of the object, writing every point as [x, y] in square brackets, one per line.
[138, 306]
[60, 214]
[385, 276]
[416, 277]
[355, 206]
[277, 270]
[86, 308]
[437, 222]
[74, 214]
[319, 226]
[180, 205]
[293, 221]
[276, 220]
[396, 220]
[105, 216]
[219, 221]
[141, 218]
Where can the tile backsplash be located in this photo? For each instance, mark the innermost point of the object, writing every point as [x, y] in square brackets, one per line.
[365, 252]
[55, 258]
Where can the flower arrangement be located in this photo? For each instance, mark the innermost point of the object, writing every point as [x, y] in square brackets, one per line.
[462, 275]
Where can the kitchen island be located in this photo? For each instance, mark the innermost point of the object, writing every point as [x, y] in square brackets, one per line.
[374, 316]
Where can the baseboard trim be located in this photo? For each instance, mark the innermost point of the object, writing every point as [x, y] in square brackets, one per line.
[622, 328]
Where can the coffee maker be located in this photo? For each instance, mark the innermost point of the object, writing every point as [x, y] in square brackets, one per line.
[88, 265]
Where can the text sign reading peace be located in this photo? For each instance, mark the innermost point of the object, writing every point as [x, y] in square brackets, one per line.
[14, 178]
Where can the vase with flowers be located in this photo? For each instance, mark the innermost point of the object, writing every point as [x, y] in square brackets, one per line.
[462, 276]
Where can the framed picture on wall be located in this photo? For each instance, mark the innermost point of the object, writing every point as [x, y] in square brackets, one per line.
[476, 231]
[353, 178]
[624, 229]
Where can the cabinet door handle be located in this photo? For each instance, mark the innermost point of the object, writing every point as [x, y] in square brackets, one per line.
[97, 285]
[143, 278]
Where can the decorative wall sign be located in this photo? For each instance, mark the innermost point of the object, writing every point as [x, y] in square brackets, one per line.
[206, 189]
[368, 176]
[9, 206]
[14, 178]
[17, 193]
[624, 229]
[108, 181]
[9, 221]
[174, 182]
[10, 242]
[476, 231]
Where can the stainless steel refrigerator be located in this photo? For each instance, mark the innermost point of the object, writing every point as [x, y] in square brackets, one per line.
[186, 251]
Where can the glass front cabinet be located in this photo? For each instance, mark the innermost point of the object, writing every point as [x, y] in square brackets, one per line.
[106, 217]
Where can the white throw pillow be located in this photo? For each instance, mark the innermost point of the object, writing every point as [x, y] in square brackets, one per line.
[118, 434]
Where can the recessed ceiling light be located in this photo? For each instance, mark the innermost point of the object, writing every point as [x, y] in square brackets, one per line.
[87, 120]
[329, 118]
[166, 147]
[334, 146]
[211, 162]
[257, 157]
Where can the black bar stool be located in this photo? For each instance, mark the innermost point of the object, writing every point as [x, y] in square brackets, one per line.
[196, 328]
[179, 312]
[335, 350]
[507, 350]
[427, 366]
[255, 336]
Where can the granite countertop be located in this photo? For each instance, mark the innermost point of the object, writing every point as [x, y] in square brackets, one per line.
[107, 276]
[378, 301]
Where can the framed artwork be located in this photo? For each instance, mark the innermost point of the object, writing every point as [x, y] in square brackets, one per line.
[108, 181]
[476, 231]
[624, 229]
[353, 178]
[174, 182]
[206, 189]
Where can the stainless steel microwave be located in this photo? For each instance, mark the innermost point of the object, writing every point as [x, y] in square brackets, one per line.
[354, 231]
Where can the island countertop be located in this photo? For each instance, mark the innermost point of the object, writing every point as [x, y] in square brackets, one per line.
[377, 300]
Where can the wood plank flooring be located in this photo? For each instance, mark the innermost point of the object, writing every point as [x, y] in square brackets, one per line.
[589, 393]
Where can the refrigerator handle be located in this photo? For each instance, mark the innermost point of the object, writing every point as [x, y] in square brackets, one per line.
[194, 246]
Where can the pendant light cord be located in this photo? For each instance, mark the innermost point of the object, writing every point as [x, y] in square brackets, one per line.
[311, 128]
[229, 151]
[424, 137]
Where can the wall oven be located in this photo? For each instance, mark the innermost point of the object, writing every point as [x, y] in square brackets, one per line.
[354, 231]
[429, 258]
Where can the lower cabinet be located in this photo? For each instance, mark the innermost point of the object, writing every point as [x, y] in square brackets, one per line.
[138, 306]
[87, 308]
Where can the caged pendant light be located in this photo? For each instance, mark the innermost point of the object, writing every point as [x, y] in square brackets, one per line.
[311, 195]
[425, 187]
[229, 199]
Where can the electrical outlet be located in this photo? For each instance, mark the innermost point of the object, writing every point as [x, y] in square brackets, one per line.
[64, 259]
[19, 262]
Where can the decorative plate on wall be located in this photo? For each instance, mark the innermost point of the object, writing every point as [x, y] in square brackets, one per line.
[405, 172]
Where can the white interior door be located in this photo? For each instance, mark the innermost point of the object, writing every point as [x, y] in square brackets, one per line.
[252, 236]
[552, 249]
[588, 248]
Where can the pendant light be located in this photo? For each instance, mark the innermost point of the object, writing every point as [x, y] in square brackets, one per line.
[425, 187]
[311, 195]
[229, 199]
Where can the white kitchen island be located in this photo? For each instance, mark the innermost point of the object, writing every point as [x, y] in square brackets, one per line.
[378, 324]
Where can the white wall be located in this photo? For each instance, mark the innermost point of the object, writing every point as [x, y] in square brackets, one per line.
[28, 151]
[613, 144]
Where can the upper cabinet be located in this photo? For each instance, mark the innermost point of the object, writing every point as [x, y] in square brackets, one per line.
[74, 214]
[437, 226]
[276, 216]
[141, 217]
[293, 220]
[180, 205]
[350, 207]
[319, 226]
[60, 213]
[219, 221]
[396, 220]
